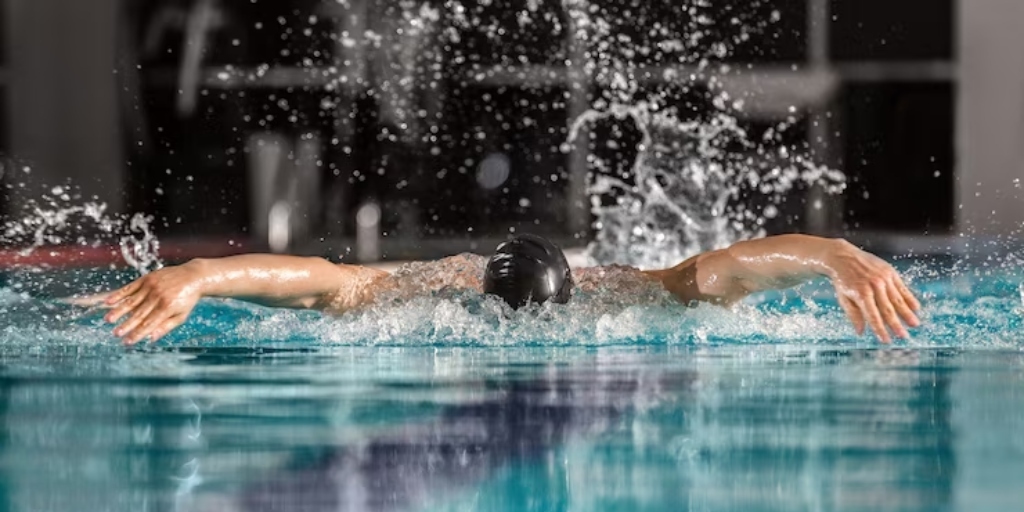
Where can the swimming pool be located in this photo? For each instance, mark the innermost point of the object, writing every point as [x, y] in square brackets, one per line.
[437, 405]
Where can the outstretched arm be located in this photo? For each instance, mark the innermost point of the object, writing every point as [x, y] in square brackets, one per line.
[160, 301]
[869, 289]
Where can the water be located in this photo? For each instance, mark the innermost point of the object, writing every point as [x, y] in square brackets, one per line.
[618, 401]
[775, 406]
[689, 189]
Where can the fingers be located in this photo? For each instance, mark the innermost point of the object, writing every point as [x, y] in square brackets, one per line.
[149, 307]
[145, 327]
[125, 306]
[119, 295]
[908, 296]
[874, 318]
[888, 311]
[853, 313]
[871, 292]
[884, 307]
[155, 327]
[138, 316]
[166, 327]
[87, 301]
[899, 302]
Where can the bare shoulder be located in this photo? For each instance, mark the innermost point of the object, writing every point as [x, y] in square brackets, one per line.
[360, 271]
[620, 285]
[462, 272]
[588, 278]
[459, 264]
[362, 286]
[466, 261]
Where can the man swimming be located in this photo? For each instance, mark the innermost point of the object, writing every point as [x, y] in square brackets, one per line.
[526, 269]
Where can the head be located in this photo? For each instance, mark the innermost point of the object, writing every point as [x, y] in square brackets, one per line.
[528, 269]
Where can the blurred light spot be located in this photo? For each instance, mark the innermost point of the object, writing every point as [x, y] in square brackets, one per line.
[279, 227]
[493, 171]
[368, 215]
[368, 232]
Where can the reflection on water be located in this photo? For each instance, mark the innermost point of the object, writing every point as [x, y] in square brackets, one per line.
[728, 428]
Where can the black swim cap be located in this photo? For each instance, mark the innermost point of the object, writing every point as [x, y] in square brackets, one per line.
[526, 269]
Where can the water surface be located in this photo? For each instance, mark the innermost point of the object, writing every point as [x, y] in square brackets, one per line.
[775, 406]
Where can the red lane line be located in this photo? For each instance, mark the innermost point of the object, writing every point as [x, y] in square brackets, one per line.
[77, 256]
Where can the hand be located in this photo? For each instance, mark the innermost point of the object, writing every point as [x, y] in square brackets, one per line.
[871, 292]
[156, 303]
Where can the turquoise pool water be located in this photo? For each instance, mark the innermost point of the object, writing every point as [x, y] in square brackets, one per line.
[439, 405]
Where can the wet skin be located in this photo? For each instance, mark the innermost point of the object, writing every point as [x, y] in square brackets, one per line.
[870, 291]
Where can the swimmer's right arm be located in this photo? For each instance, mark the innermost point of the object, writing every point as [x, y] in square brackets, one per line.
[157, 303]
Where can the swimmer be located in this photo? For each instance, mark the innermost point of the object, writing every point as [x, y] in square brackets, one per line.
[526, 269]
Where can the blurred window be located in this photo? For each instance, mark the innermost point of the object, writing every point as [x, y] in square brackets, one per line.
[891, 30]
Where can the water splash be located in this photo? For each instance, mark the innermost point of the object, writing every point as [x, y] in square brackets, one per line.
[688, 190]
[971, 306]
[1020, 289]
[698, 181]
[61, 217]
[140, 252]
[978, 311]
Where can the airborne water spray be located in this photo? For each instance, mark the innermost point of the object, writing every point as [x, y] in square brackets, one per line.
[695, 182]
[59, 228]
[60, 217]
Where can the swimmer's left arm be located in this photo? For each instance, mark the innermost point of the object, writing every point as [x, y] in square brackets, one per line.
[869, 290]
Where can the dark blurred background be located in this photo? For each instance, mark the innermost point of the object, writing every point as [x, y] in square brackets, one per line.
[398, 129]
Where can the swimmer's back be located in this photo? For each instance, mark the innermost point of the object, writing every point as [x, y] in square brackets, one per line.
[465, 272]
